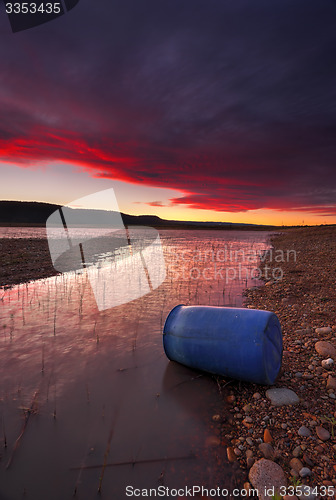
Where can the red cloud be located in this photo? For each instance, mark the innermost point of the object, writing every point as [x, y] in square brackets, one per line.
[209, 180]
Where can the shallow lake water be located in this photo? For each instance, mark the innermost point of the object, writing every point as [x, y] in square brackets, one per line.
[88, 399]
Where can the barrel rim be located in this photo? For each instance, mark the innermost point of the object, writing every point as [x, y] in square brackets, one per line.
[271, 375]
[169, 314]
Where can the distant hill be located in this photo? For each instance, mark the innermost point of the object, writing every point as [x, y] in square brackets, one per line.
[32, 213]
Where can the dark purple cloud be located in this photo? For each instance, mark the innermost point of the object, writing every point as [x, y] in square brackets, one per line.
[233, 103]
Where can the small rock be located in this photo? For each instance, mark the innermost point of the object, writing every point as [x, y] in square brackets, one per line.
[298, 375]
[305, 472]
[247, 486]
[322, 433]
[249, 462]
[230, 454]
[247, 422]
[323, 330]
[304, 431]
[309, 493]
[267, 436]
[256, 395]
[297, 451]
[293, 473]
[327, 483]
[284, 426]
[231, 399]
[331, 383]
[303, 331]
[237, 452]
[324, 348]
[216, 418]
[308, 460]
[247, 408]
[267, 474]
[327, 364]
[249, 441]
[249, 453]
[267, 450]
[282, 396]
[296, 464]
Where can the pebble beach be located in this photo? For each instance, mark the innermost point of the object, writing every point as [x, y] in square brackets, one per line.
[284, 436]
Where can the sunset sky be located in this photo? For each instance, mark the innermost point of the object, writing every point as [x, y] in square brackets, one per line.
[221, 110]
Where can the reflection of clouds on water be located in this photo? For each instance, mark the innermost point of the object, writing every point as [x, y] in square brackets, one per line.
[87, 364]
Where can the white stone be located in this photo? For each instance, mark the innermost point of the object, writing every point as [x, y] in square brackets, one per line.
[327, 363]
[282, 396]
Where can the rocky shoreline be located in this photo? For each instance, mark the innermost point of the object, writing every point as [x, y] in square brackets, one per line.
[286, 435]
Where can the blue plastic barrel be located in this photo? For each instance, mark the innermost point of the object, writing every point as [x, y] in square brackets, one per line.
[244, 344]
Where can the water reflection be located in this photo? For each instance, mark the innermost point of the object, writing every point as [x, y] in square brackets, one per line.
[92, 394]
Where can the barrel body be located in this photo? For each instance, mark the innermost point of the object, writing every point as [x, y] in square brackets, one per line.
[244, 344]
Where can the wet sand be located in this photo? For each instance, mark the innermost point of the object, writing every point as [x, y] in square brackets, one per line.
[24, 259]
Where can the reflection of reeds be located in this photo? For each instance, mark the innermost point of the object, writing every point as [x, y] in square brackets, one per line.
[136, 462]
[81, 468]
[94, 332]
[27, 413]
[55, 396]
[23, 311]
[4, 432]
[55, 319]
[42, 367]
[107, 451]
[135, 334]
[48, 385]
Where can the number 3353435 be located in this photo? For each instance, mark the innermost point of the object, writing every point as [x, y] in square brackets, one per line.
[32, 8]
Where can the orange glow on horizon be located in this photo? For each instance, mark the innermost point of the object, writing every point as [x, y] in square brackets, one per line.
[263, 216]
[62, 183]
